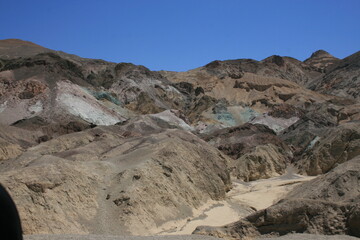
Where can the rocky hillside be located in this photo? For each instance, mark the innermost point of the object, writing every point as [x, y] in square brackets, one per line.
[341, 79]
[110, 179]
[90, 146]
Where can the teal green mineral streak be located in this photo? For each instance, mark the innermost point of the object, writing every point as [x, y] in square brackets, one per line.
[104, 95]
[107, 96]
[226, 118]
[248, 114]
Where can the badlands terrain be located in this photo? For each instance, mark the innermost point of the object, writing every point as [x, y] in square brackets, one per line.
[236, 149]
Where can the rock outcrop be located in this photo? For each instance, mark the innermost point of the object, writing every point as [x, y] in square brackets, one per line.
[14, 141]
[264, 161]
[336, 146]
[255, 149]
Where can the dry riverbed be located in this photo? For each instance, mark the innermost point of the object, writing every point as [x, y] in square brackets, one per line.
[243, 199]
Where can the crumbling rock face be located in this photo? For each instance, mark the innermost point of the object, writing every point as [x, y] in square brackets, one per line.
[264, 161]
[50, 130]
[14, 141]
[301, 216]
[236, 141]
[9, 150]
[286, 111]
[302, 135]
[337, 145]
[225, 69]
[32, 89]
[144, 105]
[338, 185]
[256, 150]
[201, 104]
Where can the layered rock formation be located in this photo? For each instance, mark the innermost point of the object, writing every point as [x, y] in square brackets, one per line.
[321, 60]
[341, 79]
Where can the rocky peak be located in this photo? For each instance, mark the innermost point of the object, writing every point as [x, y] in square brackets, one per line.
[321, 60]
[320, 54]
[278, 60]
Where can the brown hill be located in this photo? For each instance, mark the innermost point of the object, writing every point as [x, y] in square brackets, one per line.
[341, 79]
[114, 179]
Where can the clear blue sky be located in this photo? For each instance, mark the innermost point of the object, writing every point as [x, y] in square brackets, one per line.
[183, 34]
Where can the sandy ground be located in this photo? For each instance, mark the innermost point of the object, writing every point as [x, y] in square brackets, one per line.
[263, 193]
[242, 200]
[310, 237]
[104, 237]
[180, 237]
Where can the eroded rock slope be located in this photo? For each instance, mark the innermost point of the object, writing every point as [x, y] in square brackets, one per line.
[114, 180]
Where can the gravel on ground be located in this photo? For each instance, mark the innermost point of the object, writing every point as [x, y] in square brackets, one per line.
[309, 237]
[106, 237]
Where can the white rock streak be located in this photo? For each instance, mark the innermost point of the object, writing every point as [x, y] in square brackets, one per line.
[78, 107]
[36, 108]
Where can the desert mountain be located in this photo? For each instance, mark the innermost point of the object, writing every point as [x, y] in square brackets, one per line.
[96, 147]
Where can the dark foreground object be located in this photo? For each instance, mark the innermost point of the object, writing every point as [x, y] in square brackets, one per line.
[10, 225]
